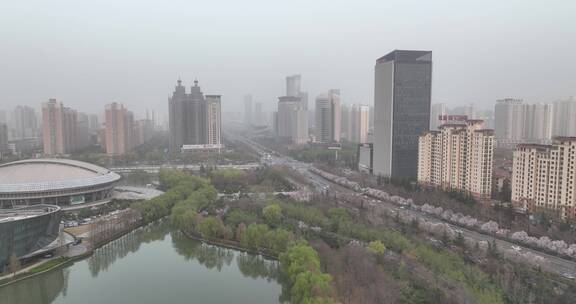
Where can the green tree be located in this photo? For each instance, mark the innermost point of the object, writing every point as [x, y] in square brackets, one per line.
[310, 287]
[338, 218]
[272, 213]
[377, 247]
[255, 236]
[299, 258]
[211, 228]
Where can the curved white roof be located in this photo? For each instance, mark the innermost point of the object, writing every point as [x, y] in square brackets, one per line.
[38, 175]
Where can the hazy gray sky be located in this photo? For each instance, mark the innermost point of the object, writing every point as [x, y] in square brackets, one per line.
[89, 53]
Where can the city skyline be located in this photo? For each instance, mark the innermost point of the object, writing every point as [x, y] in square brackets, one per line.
[143, 65]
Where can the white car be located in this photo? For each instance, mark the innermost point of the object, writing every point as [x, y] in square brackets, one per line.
[568, 276]
[516, 248]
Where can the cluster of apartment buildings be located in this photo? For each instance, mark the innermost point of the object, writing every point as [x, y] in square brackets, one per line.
[66, 130]
[62, 130]
[515, 121]
[328, 123]
[194, 123]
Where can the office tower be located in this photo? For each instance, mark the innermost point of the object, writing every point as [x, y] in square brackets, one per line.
[328, 117]
[359, 126]
[248, 119]
[213, 120]
[84, 138]
[543, 177]
[437, 113]
[564, 117]
[258, 115]
[189, 120]
[403, 83]
[119, 125]
[3, 140]
[346, 122]
[291, 120]
[59, 128]
[25, 122]
[457, 157]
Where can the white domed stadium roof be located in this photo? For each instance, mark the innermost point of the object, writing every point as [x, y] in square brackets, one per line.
[52, 174]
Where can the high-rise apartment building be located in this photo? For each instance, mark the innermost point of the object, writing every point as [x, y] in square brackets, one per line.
[120, 137]
[83, 134]
[3, 117]
[293, 89]
[3, 140]
[543, 177]
[517, 122]
[143, 131]
[59, 128]
[248, 112]
[192, 118]
[564, 113]
[213, 120]
[291, 120]
[328, 117]
[93, 123]
[468, 110]
[402, 92]
[457, 157]
[437, 112]
[259, 119]
[346, 122]
[24, 123]
[359, 123]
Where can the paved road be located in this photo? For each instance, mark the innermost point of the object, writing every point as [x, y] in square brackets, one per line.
[551, 263]
[156, 168]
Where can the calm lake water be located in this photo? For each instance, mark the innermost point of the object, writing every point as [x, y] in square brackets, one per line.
[154, 265]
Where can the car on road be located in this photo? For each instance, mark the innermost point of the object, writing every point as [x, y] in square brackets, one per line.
[516, 248]
[568, 276]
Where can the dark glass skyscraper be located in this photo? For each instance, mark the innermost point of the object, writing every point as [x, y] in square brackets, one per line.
[402, 93]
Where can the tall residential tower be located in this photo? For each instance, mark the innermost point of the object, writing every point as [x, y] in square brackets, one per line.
[194, 119]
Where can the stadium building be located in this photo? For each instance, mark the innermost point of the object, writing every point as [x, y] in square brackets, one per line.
[60, 182]
[28, 231]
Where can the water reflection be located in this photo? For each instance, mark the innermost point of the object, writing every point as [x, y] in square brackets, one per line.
[207, 255]
[106, 255]
[52, 287]
[37, 290]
